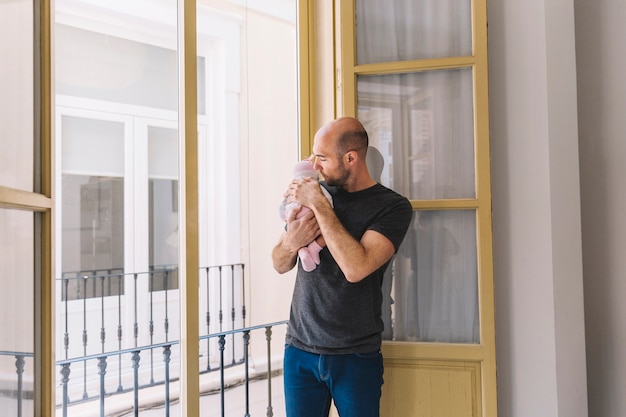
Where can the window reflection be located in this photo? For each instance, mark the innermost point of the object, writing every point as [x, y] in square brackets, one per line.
[117, 120]
[434, 295]
[422, 123]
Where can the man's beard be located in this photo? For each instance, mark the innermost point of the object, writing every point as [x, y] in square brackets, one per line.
[337, 181]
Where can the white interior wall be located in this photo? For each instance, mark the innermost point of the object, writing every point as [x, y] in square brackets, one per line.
[270, 165]
[537, 238]
[601, 58]
[16, 90]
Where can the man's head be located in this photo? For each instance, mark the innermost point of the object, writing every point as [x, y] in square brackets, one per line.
[340, 148]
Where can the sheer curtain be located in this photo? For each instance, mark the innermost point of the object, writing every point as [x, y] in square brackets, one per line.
[422, 145]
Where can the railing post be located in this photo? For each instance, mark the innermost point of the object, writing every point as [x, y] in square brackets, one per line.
[221, 312]
[136, 359]
[102, 327]
[232, 308]
[246, 344]
[85, 278]
[268, 337]
[19, 369]
[166, 358]
[66, 336]
[151, 324]
[167, 319]
[119, 332]
[65, 372]
[208, 318]
[243, 295]
[222, 343]
[135, 324]
[102, 370]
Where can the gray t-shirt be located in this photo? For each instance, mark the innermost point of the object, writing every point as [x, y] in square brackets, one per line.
[330, 315]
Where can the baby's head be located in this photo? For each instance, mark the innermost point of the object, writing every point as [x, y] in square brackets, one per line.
[305, 169]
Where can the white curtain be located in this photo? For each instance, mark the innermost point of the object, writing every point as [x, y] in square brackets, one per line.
[421, 124]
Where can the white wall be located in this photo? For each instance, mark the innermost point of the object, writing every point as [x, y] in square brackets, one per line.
[537, 234]
[16, 94]
[270, 164]
[601, 59]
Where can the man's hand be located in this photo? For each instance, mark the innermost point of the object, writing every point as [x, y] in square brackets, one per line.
[306, 192]
[300, 232]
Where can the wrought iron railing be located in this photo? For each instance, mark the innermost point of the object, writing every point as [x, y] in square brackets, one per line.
[120, 332]
[17, 393]
[98, 364]
[105, 310]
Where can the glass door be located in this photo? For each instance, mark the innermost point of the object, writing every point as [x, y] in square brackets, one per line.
[414, 72]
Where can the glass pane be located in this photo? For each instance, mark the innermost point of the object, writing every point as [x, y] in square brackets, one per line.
[117, 115]
[92, 235]
[17, 277]
[403, 30]
[16, 94]
[92, 146]
[422, 125]
[434, 295]
[163, 191]
[247, 146]
[96, 65]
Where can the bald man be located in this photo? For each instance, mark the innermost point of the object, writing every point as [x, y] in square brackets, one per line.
[332, 349]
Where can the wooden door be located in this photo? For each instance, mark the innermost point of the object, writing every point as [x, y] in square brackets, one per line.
[415, 73]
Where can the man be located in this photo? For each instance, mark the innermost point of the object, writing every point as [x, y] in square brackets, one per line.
[332, 349]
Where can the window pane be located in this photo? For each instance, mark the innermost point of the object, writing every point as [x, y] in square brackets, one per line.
[92, 64]
[92, 236]
[92, 146]
[17, 367]
[247, 147]
[434, 297]
[422, 124]
[117, 115]
[16, 94]
[406, 29]
[163, 192]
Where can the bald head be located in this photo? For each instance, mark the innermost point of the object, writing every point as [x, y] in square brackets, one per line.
[349, 133]
[340, 148]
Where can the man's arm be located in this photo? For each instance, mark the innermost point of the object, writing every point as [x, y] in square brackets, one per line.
[357, 259]
[283, 258]
[299, 233]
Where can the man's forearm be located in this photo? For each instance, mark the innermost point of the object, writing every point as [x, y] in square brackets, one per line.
[283, 258]
[357, 259]
[341, 244]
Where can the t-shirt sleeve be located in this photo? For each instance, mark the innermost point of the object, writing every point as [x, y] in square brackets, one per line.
[394, 221]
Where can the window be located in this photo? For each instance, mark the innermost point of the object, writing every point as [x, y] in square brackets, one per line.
[120, 185]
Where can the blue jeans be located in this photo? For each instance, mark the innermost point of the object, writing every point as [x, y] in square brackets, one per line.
[352, 381]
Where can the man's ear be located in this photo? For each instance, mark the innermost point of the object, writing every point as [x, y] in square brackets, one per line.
[351, 156]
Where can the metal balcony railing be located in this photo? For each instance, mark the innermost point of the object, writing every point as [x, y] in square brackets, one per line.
[126, 396]
[17, 394]
[134, 385]
[120, 346]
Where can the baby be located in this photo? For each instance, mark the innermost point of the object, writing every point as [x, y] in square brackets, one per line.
[309, 255]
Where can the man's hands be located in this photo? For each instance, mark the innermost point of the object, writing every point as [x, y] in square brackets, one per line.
[307, 192]
[300, 232]
[357, 259]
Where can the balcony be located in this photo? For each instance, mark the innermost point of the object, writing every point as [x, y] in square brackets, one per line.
[137, 372]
